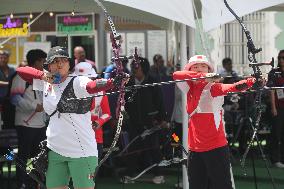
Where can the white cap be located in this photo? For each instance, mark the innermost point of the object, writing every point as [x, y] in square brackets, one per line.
[85, 69]
[197, 59]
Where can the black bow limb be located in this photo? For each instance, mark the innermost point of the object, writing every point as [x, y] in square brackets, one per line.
[147, 132]
[252, 51]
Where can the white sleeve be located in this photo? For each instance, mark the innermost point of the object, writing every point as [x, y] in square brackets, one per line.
[19, 94]
[27, 103]
[38, 85]
[79, 86]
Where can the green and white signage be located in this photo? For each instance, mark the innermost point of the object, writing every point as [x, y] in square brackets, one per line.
[77, 24]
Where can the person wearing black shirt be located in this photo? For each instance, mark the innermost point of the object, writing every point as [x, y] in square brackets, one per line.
[276, 79]
[146, 110]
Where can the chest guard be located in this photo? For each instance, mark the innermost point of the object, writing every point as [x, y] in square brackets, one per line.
[69, 103]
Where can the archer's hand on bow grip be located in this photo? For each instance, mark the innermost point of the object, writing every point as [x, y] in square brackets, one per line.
[259, 83]
[119, 78]
[51, 78]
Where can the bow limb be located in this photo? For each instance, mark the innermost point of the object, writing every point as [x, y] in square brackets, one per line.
[252, 51]
[163, 163]
[143, 135]
[120, 109]
[142, 172]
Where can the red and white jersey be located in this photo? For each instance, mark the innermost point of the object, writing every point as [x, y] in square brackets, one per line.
[101, 114]
[204, 105]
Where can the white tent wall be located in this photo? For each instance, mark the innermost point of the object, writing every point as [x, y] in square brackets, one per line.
[228, 41]
[279, 17]
[272, 31]
[215, 13]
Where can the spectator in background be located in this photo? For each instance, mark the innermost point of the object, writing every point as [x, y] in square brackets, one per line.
[276, 79]
[6, 74]
[228, 72]
[229, 77]
[80, 56]
[28, 103]
[146, 110]
[232, 103]
[158, 71]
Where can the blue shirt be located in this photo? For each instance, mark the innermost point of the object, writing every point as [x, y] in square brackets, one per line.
[109, 71]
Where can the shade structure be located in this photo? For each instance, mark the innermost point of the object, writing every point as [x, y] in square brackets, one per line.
[177, 10]
[215, 13]
[168, 11]
[156, 12]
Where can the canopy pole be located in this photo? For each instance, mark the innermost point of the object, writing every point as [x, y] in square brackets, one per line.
[183, 60]
[102, 62]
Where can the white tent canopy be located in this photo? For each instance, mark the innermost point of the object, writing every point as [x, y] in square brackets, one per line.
[215, 13]
[176, 10]
[32, 6]
[156, 12]
[279, 7]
